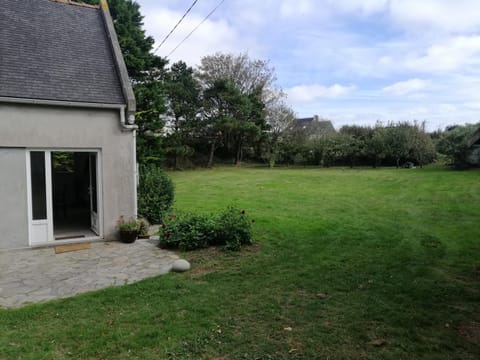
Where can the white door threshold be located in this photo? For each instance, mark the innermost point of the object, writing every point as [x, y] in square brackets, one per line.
[68, 242]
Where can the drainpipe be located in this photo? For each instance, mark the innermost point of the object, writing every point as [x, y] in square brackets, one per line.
[131, 126]
[128, 125]
[135, 171]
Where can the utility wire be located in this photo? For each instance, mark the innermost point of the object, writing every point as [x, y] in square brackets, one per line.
[178, 23]
[196, 27]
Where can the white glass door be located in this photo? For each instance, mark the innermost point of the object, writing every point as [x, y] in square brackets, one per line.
[40, 196]
[92, 189]
[74, 198]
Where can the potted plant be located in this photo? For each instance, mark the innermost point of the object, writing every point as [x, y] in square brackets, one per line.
[128, 229]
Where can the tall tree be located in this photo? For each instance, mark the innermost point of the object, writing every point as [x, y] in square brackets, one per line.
[253, 79]
[183, 103]
[232, 117]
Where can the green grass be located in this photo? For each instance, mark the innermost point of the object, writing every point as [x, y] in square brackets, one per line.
[396, 252]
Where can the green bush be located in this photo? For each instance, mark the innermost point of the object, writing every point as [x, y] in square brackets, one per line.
[155, 194]
[230, 229]
[234, 229]
[189, 233]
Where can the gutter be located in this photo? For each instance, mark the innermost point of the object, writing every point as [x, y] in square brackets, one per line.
[123, 123]
[60, 103]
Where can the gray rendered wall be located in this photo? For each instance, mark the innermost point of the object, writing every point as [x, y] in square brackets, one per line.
[13, 199]
[39, 126]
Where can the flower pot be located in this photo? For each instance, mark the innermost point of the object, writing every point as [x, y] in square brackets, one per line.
[128, 237]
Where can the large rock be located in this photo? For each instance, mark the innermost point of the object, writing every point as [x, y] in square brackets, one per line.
[180, 265]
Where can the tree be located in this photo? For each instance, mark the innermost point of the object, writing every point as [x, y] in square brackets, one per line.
[360, 139]
[247, 75]
[235, 118]
[454, 143]
[423, 150]
[150, 97]
[183, 102]
[253, 80]
[279, 118]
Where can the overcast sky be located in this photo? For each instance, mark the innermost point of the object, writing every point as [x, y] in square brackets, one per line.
[351, 61]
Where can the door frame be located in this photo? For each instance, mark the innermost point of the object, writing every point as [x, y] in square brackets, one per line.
[48, 183]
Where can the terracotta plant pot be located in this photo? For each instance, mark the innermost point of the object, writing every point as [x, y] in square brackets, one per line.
[128, 237]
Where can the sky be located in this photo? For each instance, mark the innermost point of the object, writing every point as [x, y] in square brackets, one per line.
[350, 61]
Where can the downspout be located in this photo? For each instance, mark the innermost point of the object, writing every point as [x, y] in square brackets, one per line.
[135, 170]
[133, 128]
[130, 126]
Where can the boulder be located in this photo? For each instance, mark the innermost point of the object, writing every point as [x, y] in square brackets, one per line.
[180, 265]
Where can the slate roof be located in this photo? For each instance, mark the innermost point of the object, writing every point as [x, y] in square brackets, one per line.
[56, 51]
[314, 125]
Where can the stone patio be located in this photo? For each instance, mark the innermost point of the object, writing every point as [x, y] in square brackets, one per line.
[34, 275]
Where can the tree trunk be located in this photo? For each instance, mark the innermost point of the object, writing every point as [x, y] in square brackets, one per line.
[212, 152]
[238, 154]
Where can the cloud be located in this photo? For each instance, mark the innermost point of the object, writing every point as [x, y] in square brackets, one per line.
[453, 54]
[310, 93]
[443, 15]
[406, 87]
[211, 37]
[290, 8]
[365, 7]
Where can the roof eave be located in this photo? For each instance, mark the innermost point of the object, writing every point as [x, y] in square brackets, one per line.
[119, 61]
[47, 102]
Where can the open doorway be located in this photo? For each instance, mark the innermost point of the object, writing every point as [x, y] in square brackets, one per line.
[74, 194]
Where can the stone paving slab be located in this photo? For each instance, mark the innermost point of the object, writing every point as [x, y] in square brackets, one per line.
[34, 275]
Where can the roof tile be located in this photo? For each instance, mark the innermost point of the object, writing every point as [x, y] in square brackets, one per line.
[55, 51]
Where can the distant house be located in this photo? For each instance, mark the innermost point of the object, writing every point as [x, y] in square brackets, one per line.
[474, 144]
[67, 133]
[313, 127]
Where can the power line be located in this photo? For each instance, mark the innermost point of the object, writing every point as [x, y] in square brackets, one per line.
[196, 27]
[178, 23]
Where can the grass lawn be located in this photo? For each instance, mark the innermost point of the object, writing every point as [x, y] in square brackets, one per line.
[348, 264]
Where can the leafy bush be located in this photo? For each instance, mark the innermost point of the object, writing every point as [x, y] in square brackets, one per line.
[234, 229]
[231, 229]
[155, 193]
[189, 233]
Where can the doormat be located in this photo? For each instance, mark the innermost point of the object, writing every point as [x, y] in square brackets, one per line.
[73, 247]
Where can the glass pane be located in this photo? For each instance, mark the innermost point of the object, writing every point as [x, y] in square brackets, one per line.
[93, 180]
[39, 194]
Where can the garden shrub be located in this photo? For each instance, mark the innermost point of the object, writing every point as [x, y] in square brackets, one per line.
[234, 229]
[188, 233]
[155, 193]
[230, 229]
